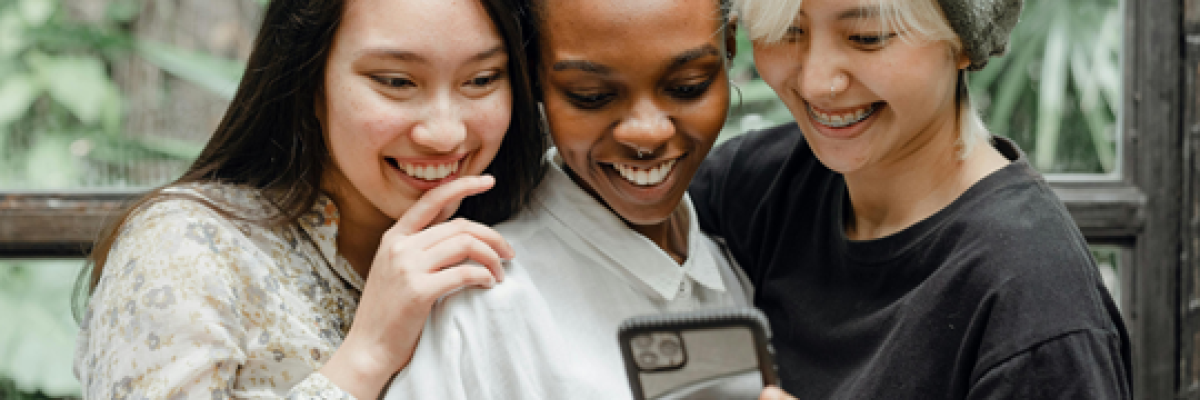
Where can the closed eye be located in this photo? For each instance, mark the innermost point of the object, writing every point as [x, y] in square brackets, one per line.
[872, 40]
[688, 92]
[590, 100]
[393, 81]
[486, 79]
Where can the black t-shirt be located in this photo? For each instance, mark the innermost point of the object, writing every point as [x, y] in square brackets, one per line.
[995, 296]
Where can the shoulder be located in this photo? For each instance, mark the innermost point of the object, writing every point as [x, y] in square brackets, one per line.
[192, 233]
[1028, 265]
[762, 150]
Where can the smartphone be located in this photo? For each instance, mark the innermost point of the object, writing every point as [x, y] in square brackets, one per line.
[709, 354]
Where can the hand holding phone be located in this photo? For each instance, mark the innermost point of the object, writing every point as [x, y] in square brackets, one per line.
[709, 354]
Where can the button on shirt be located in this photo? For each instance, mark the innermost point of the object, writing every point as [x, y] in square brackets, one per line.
[549, 331]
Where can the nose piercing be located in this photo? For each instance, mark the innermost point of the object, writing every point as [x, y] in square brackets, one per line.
[832, 90]
[641, 153]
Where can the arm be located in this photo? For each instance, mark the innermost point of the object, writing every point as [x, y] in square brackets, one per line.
[1078, 365]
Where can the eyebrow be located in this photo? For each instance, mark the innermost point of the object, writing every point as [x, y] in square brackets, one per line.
[585, 66]
[864, 12]
[596, 68]
[405, 55]
[694, 54]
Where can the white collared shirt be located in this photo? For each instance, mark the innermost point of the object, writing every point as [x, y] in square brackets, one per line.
[549, 331]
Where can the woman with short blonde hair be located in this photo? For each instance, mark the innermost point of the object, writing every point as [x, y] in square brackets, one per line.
[900, 250]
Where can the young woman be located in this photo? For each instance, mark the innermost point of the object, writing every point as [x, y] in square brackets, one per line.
[300, 254]
[898, 249]
[635, 92]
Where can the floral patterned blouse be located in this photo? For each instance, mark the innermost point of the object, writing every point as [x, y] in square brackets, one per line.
[194, 304]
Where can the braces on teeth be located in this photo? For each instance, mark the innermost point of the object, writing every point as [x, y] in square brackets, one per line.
[842, 120]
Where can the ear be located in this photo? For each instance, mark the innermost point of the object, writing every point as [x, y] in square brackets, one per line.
[731, 38]
[963, 60]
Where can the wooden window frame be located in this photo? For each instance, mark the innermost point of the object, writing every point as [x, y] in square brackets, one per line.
[1151, 207]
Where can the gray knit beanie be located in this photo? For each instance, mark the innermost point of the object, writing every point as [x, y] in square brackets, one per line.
[983, 26]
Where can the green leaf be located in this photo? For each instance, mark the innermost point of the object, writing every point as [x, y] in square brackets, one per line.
[217, 74]
[1011, 86]
[123, 10]
[37, 353]
[79, 83]
[12, 35]
[17, 93]
[1100, 125]
[50, 164]
[1051, 94]
[36, 12]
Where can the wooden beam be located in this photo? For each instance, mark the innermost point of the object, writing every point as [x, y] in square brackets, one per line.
[1152, 136]
[55, 224]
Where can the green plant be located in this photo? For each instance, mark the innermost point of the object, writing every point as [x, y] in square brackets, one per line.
[1058, 91]
[38, 341]
[61, 112]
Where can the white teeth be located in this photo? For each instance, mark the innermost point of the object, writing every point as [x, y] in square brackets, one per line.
[645, 177]
[845, 119]
[429, 172]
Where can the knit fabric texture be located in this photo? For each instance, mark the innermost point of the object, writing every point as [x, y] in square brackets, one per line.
[983, 25]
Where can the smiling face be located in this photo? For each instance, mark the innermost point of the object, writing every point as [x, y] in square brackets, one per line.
[864, 97]
[636, 93]
[416, 94]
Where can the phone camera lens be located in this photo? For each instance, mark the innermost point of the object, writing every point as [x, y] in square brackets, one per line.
[669, 347]
[648, 360]
[642, 341]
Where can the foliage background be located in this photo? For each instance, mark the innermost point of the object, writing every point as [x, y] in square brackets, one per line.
[103, 94]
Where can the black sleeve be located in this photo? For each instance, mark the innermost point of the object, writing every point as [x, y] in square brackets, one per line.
[1079, 365]
[708, 187]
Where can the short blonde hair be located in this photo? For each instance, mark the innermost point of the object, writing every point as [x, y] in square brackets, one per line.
[767, 21]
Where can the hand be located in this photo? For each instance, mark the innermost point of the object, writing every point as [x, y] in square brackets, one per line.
[418, 262]
[774, 393]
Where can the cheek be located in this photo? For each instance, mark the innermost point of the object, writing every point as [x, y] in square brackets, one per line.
[571, 130]
[490, 120]
[774, 64]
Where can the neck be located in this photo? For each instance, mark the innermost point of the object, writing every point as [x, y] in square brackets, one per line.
[360, 229]
[671, 235]
[358, 240]
[892, 196]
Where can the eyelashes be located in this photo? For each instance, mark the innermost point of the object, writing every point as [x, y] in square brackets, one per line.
[592, 100]
[482, 81]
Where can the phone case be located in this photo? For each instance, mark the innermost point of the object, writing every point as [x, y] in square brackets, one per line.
[708, 354]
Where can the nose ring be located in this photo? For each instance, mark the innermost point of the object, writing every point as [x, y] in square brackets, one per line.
[641, 153]
[832, 90]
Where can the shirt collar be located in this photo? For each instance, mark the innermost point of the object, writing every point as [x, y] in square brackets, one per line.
[321, 224]
[596, 225]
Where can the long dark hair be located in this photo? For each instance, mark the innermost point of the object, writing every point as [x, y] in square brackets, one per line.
[270, 138]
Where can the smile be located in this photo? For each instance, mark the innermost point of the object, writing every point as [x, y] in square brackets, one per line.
[427, 172]
[645, 177]
[843, 119]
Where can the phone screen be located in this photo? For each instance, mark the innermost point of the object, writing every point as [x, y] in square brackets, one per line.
[697, 363]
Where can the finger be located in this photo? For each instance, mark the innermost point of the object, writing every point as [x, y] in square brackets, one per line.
[434, 203]
[774, 393]
[429, 237]
[455, 250]
[460, 276]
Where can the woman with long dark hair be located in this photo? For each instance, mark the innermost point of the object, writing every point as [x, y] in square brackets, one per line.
[301, 252]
